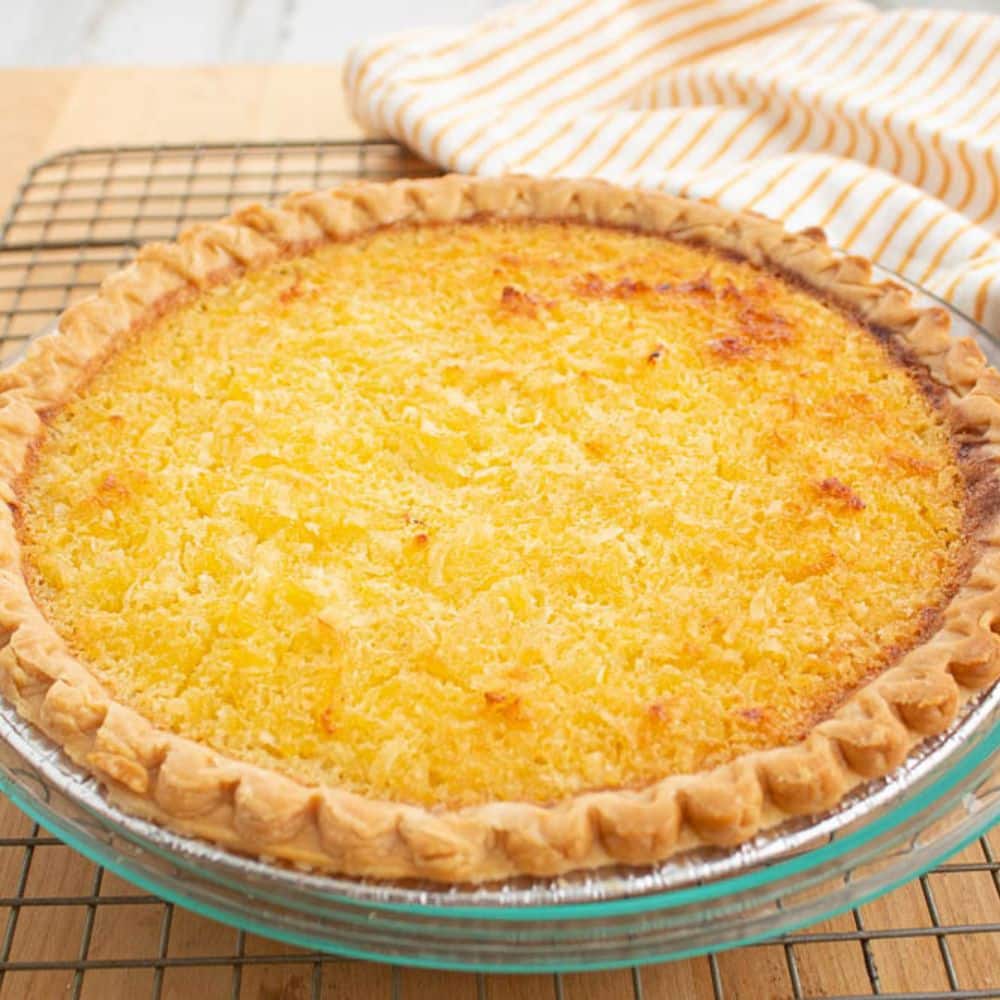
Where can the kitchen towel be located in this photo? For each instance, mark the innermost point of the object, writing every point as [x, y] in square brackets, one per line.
[881, 127]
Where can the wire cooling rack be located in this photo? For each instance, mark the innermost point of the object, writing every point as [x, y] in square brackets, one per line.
[70, 928]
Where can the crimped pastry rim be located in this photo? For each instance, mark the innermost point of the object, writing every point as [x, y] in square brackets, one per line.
[184, 785]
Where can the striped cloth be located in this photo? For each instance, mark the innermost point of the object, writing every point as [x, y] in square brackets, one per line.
[883, 128]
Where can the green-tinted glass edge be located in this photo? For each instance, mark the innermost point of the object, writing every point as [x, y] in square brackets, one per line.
[926, 799]
[109, 859]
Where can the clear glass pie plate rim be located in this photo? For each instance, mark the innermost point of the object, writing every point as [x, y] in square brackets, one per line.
[962, 793]
[42, 782]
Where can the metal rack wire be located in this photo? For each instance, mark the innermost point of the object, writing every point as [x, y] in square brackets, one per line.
[71, 928]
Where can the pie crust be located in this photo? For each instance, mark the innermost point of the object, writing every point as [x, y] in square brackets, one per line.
[195, 790]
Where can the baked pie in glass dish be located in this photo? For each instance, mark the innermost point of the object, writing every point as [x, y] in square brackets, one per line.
[462, 529]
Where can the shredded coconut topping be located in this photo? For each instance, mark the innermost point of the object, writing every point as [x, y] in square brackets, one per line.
[494, 511]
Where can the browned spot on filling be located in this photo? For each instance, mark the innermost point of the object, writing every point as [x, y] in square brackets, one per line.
[833, 488]
[116, 490]
[815, 567]
[593, 286]
[292, 292]
[910, 463]
[764, 327]
[504, 702]
[747, 326]
[859, 400]
[110, 487]
[660, 712]
[519, 303]
[702, 285]
[730, 348]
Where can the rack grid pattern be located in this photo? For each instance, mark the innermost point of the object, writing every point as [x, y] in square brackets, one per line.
[70, 928]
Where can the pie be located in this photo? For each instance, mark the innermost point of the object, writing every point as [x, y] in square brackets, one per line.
[471, 528]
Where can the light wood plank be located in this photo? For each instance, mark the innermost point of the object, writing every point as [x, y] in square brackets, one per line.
[832, 967]
[520, 988]
[426, 984]
[49, 110]
[347, 980]
[762, 969]
[599, 986]
[970, 898]
[904, 964]
[690, 978]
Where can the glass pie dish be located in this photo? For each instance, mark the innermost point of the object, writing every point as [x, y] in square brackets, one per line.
[946, 794]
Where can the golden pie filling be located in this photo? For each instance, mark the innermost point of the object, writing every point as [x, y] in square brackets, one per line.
[450, 514]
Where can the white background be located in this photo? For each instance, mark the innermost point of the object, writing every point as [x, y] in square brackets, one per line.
[159, 32]
[151, 32]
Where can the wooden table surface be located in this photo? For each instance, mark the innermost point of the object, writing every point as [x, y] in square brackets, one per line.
[47, 110]
[44, 111]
